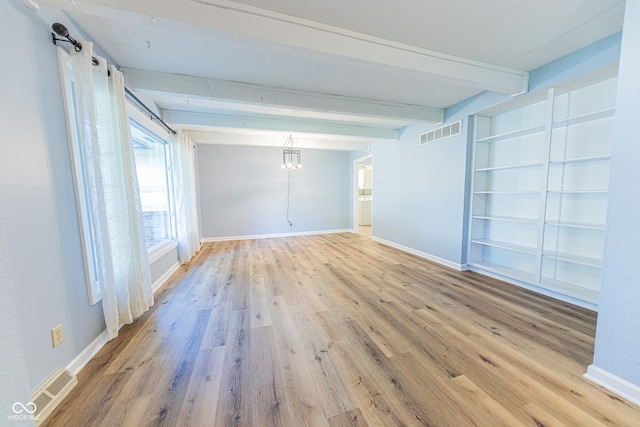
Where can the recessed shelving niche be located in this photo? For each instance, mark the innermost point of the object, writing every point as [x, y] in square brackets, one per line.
[540, 180]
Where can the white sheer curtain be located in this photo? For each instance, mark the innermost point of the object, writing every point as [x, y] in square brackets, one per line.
[111, 190]
[185, 190]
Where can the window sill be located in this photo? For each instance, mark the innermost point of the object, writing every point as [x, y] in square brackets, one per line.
[161, 249]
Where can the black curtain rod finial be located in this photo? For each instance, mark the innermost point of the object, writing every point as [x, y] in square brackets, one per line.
[62, 31]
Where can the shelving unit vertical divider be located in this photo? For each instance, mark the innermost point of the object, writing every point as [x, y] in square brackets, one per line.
[545, 182]
[479, 127]
[471, 189]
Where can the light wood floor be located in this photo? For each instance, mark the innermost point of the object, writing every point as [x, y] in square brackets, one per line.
[364, 230]
[337, 330]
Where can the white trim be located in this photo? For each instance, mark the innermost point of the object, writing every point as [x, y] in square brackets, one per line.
[161, 249]
[81, 360]
[445, 262]
[614, 383]
[165, 277]
[268, 236]
[144, 120]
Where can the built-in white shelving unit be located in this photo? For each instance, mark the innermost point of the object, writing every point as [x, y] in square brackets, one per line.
[540, 184]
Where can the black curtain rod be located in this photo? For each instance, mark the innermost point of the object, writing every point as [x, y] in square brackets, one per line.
[153, 115]
[62, 31]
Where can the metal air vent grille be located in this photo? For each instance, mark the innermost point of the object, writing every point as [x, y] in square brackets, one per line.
[441, 133]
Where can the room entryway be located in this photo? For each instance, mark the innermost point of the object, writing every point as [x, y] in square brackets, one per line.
[363, 183]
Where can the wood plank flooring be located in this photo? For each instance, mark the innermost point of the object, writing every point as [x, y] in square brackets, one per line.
[337, 330]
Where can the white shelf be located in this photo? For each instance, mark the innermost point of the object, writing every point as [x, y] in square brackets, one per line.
[506, 218]
[604, 192]
[581, 160]
[507, 192]
[574, 259]
[512, 135]
[505, 245]
[570, 289]
[513, 273]
[584, 118]
[585, 226]
[502, 168]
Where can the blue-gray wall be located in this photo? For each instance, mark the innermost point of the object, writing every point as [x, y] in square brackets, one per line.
[14, 382]
[166, 262]
[618, 334]
[36, 191]
[418, 193]
[243, 191]
[38, 204]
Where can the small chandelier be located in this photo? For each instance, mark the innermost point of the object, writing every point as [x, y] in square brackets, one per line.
[291, 158]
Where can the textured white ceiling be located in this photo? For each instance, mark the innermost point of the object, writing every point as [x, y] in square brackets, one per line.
[257, 42]
[521, 34]
[206, 54]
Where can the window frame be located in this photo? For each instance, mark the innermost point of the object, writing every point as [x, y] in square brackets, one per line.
[144, 123]
[79, 179]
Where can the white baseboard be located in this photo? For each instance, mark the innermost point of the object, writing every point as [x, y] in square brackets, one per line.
[87, 354]
[163, 279]
[268, 236]
[445, 262]
[613, 383]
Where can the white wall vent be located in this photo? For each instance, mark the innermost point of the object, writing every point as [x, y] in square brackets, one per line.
[441, 133]
[51, 393]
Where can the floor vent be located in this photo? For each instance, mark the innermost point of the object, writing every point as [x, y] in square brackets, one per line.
[441, 133]
[51, 393]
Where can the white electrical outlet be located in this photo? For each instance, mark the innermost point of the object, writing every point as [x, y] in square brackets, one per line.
[56, 335]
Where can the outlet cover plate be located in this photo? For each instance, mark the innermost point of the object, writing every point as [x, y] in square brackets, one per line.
[56, 336]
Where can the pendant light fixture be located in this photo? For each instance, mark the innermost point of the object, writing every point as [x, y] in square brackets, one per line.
[291, 158]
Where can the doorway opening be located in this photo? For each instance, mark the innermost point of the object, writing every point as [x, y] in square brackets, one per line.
[363, 196]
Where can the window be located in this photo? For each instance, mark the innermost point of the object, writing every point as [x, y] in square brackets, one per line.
[88, 130]
[153, 166]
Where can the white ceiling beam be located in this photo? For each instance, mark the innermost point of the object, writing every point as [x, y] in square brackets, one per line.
[275, 140]
[154, 82]
[188, 119]
[263, 25]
